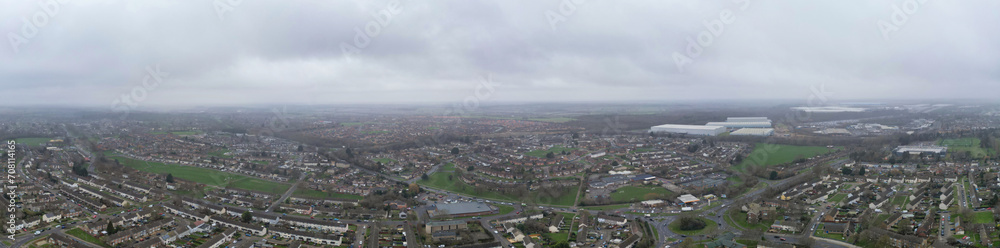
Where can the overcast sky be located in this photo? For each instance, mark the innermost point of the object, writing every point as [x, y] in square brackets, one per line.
[309, 52]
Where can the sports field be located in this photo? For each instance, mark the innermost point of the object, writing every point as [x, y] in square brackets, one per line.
[205, 176]
[773, 154]
[32, 141]
[970, 145]
[638, 193]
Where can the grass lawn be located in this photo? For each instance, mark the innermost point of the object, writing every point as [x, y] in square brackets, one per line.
[205, 176]
[822, 234]
[320, 194]
[32, 141]
[773, 154]
[220, 153]
[982, 217]
[709, 227]
[441, 181]
[837, 198]
[76, 232]
[555, 149]
[899, 200]
[740, 219]
[638, 193]
[351, 124]
[970, 145]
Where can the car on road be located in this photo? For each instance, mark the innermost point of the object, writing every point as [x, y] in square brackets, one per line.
[782, 239]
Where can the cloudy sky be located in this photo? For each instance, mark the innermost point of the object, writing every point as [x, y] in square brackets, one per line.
[113, 53]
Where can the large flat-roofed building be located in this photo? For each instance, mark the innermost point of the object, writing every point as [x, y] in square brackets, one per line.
[435, 226]
[688, 198]
[747, 119]
[753, 132]
[741, 124]
[461, 209]
[921, 150]
[688, 129]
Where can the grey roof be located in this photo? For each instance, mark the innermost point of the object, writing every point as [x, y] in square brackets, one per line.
[464, 207]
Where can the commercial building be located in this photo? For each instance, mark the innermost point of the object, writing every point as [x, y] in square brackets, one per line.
[753, 132]
[688, 198]
[745, 119]
[742, 124]
[435, 226]
[461, 209]
[921, 150]
[688, 129]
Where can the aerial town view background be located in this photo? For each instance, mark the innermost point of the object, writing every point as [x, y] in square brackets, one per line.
[500, 124]
[907, 175]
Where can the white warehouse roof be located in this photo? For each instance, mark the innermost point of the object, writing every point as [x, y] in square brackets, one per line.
[694, 127]
[753, 131]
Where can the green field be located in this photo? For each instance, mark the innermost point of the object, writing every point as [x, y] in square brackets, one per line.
[822, 234]
[351, 124]
[837, 197]
[740, 219]
[205, 176]
[709, 227]
[76, 232]
[320, 194]
[555, 149]
[970, 145]
[440, 180]
[32, 141]
[638, 193]
[982, 217]
[220, 153]
[772, 154]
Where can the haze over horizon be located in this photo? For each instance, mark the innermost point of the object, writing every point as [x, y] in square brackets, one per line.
[231, 52]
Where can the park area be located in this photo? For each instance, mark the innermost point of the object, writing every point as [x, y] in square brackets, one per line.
[639, 193]
[32, 141]
[773, 154]
[205, 176]
[446, 179]
[970, 145]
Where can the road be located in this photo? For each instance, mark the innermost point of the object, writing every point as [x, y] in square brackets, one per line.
[287, 193]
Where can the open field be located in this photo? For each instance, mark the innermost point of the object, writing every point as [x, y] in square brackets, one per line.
[320, 194]
[220, 153]
[772, 154]
[982, 217]
[970, 145]
[32, 141]
[205, 176]
[441, 180]
[837, 197]
[554, 149]
[638, 193]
